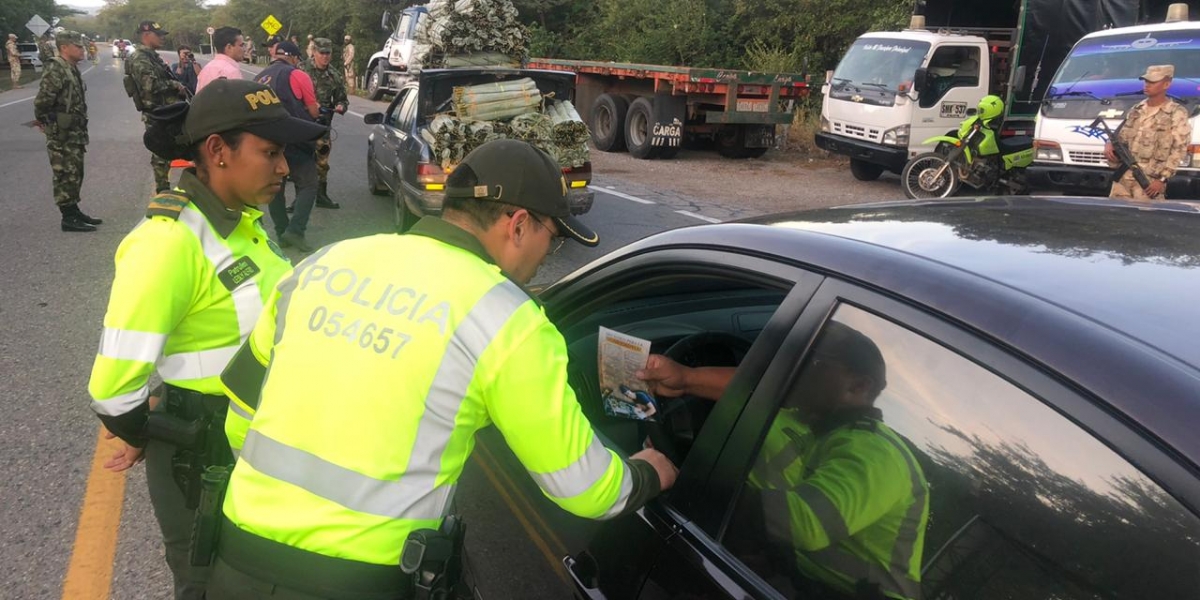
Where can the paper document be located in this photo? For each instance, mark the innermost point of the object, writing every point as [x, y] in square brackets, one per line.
[623, 394]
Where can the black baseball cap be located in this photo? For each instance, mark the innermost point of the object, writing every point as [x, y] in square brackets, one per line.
[151, 26]
[287, 49]
[514, 172]
[228, 104]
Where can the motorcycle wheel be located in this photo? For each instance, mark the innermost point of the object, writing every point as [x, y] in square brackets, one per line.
[918, 180]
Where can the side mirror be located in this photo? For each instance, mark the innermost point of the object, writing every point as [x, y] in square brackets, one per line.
[373, 118]
[1019, 80]
[385, 23]
[920, 79]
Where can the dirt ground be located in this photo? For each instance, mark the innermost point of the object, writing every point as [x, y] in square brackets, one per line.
[780, 180]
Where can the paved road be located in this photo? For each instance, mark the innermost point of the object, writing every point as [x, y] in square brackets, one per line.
[53, 289]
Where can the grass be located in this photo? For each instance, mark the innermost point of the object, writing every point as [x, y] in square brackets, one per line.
[800, 136]
[28, 79]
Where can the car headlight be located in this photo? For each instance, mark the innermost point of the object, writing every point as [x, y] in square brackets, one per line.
[896, 136]
[1046, 150]
[825, 126]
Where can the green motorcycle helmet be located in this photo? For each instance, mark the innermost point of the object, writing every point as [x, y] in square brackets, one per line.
[990, 107]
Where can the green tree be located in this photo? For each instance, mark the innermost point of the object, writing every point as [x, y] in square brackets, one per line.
[14, 14]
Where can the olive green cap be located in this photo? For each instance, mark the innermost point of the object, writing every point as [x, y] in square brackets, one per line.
[323, 45]
[64, 38]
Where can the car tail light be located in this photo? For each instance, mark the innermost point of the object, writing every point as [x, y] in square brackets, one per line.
[578, 177]
[431, 176]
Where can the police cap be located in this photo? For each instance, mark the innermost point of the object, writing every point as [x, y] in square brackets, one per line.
[231, 104]
[514, 172]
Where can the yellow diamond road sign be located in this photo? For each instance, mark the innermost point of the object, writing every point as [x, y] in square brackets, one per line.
[271, 24]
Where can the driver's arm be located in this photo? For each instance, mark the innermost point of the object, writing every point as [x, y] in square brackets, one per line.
[668, 379]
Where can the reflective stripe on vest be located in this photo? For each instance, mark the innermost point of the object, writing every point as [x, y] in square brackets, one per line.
[415, 495]
[119, 405]
[123, 344]
[579, 476]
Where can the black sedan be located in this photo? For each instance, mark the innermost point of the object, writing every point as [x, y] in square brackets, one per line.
[1039, 361]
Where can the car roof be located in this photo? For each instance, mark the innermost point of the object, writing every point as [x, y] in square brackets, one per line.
[1105, 293]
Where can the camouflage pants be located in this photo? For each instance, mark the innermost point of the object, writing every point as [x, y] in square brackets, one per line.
[1127, 188]
[324, 148]
[351, 80]
[16, 71]
[66, 167]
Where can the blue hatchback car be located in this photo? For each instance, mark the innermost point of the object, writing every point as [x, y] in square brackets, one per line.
[1042, 362]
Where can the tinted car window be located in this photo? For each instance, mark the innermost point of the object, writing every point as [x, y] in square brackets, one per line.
[393, 115]
[408, 112]
[1021, 502]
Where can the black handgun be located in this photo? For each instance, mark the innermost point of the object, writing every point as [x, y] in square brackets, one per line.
[1124, 156]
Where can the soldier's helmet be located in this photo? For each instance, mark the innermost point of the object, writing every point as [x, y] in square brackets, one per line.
[990, 107]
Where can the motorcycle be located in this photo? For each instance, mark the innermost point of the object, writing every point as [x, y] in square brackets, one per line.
[976, 157]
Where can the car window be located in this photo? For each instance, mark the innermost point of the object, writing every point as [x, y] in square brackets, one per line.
[403, 27]
[408, 112]
[952, 483]
[393, 114]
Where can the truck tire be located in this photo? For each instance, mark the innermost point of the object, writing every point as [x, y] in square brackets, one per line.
[865, 171]
[608, 123]
[731, 141]
[639, 129]
[376, 82]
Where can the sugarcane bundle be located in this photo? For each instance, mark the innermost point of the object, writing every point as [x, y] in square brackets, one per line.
[500, 100]
[451, 138]
[568, 128]
[487, 31]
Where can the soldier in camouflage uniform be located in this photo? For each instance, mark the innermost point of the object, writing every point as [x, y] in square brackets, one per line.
[60, 111]
[47, 48]
[14, 60]
[156, 87]
[1157, 132]
[331, 96]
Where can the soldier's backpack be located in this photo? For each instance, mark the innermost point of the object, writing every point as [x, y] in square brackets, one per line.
[164, 131]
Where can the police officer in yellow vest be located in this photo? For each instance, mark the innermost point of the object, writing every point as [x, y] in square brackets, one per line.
[386, 354]
[191, 280]
[835, 493]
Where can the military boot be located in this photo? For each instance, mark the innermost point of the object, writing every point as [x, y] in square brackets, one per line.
[71, 220]
[323, 200]
[85, 218]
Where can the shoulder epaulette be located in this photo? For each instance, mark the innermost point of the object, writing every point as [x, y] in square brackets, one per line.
[167, 204]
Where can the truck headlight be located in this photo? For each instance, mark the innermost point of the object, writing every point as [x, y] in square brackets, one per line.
[1047, 151]
[825, 126]
[896, 136]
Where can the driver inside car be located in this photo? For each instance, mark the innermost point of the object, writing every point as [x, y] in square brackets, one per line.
[837, 494]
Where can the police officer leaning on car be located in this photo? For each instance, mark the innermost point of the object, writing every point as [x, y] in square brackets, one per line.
[370, 372]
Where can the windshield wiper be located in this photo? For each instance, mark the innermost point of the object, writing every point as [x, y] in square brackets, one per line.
[1070, 93]
[882, 86]
[1129, 93]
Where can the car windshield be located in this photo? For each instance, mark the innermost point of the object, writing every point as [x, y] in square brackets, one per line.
[1107, 68]
[880, 62]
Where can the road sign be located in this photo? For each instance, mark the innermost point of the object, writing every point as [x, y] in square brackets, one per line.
[37, 25]
[211, 31]
[271, 25]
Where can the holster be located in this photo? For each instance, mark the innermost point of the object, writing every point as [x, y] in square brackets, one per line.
[195, 424]
[434, 559]
[206, 529]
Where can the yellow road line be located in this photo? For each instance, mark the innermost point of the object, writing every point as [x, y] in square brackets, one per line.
[559, 547]
[89, 575]
[538, 541]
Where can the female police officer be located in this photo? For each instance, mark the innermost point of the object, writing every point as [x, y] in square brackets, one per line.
[190, 282]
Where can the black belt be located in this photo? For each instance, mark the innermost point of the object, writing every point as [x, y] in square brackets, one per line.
[317, 574]
[190, 404]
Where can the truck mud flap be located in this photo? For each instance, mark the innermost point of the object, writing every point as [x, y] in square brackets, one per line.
[669, 114]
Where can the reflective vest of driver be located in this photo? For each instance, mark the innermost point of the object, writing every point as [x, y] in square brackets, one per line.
[855, 501]
[387, 354]
[191, 280]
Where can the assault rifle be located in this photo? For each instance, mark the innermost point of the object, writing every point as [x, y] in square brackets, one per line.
[1124, 156]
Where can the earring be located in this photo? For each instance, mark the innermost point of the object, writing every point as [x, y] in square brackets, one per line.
[221, 164]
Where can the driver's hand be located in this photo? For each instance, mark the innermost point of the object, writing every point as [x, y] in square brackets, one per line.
[664, 377]
[667, 471]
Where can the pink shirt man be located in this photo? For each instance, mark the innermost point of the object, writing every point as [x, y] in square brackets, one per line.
[220, 66]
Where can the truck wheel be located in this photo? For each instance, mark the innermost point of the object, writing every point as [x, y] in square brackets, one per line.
[608, 122]
[731, 141]
[638, 129]
[375, 82]
[865, 171]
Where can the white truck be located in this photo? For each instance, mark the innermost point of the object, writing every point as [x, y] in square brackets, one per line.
[892, 90]
[1100, 79]
[387, 70]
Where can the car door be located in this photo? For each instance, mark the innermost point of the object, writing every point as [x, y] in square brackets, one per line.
[668, 296]
[1018, 484]
[391, 139]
